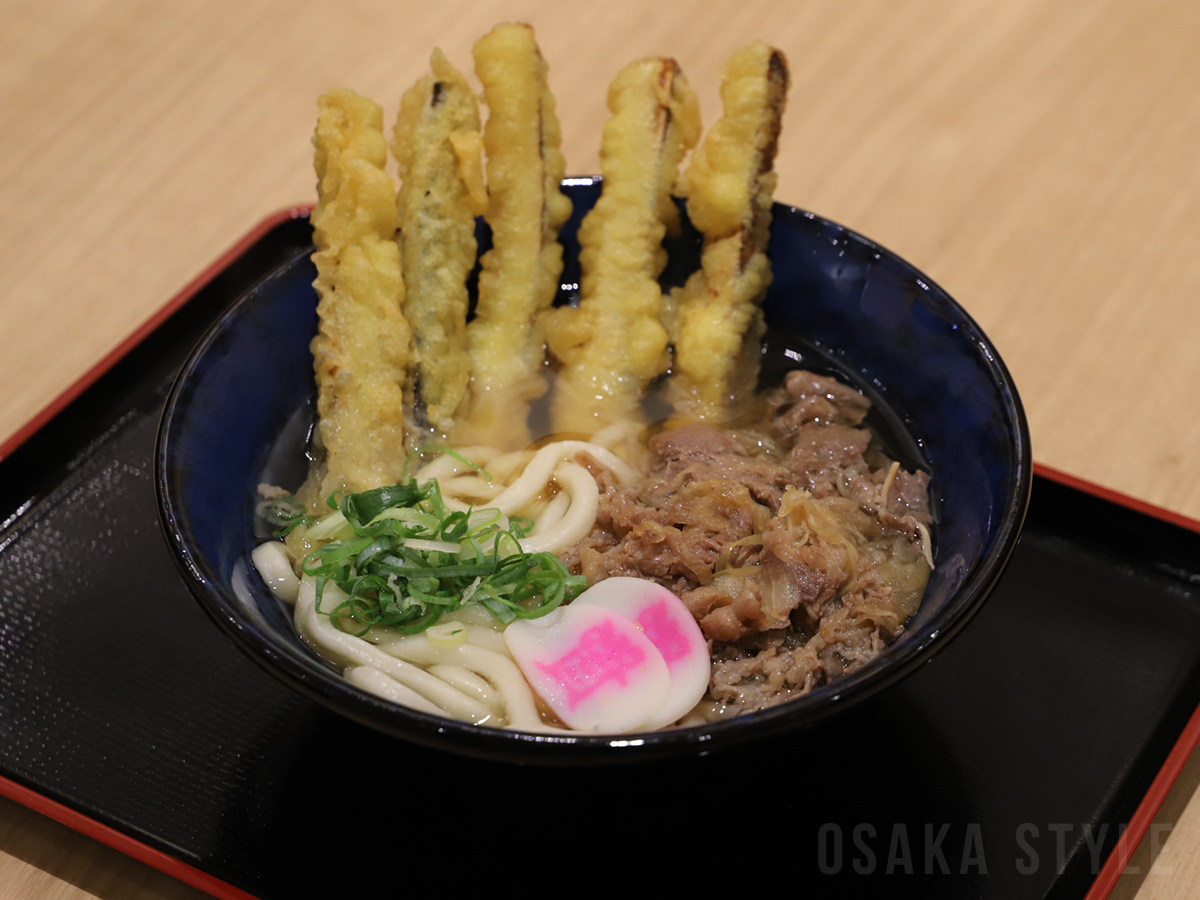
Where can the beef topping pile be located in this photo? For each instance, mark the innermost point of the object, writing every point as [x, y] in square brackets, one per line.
[798, 546]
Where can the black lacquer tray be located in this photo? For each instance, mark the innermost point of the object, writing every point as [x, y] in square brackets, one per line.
[1057, 719]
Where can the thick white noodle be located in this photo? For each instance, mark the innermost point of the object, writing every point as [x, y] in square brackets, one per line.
[355, 651]
[502, 467]
[470, 486]
[481, 628]
[274, 567]
[470, 684]
[487, 637]
[611, 435]
[552, 513]
[564, 519]
[373, 681]
[446, 465]
[538, 472]
[580, 516]
[470, 615]
[521, 711]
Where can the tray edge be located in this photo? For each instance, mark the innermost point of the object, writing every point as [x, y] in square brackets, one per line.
[189, 290]
[121, 842]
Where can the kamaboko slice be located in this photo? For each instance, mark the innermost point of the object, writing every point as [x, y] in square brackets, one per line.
[669, 625]
[593, 667]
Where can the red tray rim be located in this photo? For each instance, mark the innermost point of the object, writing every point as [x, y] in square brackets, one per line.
[1139, 823]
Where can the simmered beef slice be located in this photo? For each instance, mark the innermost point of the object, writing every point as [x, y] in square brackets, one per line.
[702, 493]
[807, 397]
[717, 506]
[909, 496]
[802, 576]
[621, 510]
[825, 454]
[727, 613]
[675, 558]
[746, 679]
[698, 443]
[702, 453]
[774, 667]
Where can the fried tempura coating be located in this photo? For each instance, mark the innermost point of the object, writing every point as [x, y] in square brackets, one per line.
[437, 144]
[728, 186]
[519, 275]
[614, 343]
[361, 350]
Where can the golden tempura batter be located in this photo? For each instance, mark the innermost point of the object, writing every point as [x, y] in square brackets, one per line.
[614, 343]
[361, 350]
[728, 186]
[526, 209]
[438, 147]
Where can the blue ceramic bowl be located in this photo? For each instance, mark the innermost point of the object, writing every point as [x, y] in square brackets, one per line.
[240, 408]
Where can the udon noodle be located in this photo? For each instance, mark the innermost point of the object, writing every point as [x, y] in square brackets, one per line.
[460, 667]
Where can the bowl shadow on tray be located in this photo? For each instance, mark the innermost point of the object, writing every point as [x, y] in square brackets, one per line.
[863, 314]
[347, 787]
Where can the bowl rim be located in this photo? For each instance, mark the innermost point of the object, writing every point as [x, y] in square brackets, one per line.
[322, 683]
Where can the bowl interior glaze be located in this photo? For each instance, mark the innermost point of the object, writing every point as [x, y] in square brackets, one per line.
[240, 409]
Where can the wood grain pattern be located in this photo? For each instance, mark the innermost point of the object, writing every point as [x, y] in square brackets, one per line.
[1038, 158]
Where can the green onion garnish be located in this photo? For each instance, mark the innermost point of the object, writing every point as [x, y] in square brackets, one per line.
[410, 560]
[285, 513]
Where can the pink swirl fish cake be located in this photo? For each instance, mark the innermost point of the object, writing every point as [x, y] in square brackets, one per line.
[594, 668]
[672, 629]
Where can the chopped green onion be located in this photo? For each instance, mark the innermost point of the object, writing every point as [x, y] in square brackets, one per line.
[404, 560]
[327, 527]
[285, 513]
[521, 525]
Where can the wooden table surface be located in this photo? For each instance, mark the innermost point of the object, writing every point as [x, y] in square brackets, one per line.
[1038, 158]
